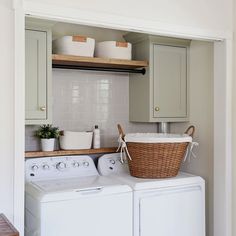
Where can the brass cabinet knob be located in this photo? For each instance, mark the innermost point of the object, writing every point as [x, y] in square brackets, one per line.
[43, 108]
[157, 109]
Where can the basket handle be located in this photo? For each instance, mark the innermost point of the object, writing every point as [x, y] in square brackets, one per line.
[121, 132]
[190, 130]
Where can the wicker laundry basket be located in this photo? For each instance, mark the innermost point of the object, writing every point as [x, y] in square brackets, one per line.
[156, 155]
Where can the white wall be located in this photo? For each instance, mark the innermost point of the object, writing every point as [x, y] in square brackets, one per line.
[7, 108]
[99, 34]
[201, 116]
[204, 14]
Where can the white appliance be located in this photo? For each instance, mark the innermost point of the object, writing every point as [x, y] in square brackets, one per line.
[66, 196]
[162, 207]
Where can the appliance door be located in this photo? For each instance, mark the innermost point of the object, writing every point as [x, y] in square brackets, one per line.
[172, 212]
[90, 214]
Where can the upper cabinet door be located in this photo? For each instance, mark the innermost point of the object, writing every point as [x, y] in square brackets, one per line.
[161, 95]
[170, 81]
[36, 75]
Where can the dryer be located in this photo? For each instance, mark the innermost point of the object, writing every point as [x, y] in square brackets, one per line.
[165, 207]
[66, 196]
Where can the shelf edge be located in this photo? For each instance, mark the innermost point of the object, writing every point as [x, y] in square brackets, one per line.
[35, 154]
[58, 59]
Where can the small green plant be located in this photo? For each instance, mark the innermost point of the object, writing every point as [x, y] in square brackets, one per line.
[47, 132]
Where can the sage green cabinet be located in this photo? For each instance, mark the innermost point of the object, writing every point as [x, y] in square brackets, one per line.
[169, 81]
[37, 75]
[161, 95]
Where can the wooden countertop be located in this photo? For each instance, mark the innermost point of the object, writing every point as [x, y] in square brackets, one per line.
[69, 152]
[6, 228]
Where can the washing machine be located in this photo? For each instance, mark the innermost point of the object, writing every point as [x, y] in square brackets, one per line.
[162, 207]
[66, 196]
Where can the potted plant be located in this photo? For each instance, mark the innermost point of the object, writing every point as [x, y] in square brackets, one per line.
[47, 134]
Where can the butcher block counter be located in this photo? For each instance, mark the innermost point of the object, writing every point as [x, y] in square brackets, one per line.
[6, 228]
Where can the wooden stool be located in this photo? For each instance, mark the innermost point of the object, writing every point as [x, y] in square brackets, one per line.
[6, 228]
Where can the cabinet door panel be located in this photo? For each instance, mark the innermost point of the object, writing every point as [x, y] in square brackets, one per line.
[170, 81]
[36, 75]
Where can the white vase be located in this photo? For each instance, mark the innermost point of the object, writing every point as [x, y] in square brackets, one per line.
[47, 144]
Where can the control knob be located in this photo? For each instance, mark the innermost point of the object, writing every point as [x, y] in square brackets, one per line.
[61, 165]
[46, 167]
[112, 162]
[34, 167]
[85, 164]
[76, 164]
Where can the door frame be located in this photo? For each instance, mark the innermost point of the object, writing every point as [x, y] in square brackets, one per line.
[223, 44]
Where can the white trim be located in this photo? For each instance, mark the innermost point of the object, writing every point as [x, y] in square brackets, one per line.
[229, 125]
[17, 4]
[222, 137]
[100, 19]
[19, 120]
[222, 94]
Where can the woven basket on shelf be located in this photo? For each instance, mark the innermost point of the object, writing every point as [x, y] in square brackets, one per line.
[156, 160]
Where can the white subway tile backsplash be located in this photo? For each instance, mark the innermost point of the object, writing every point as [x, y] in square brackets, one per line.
[82, 99]
[31, 142]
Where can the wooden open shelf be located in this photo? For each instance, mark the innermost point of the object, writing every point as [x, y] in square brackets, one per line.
[69, 152]
[69, 60]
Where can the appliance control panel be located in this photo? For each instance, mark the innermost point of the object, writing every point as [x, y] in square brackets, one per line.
[110, 164]
[59, 167]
